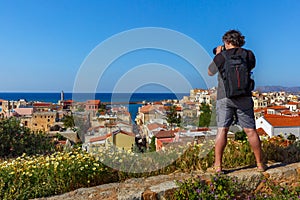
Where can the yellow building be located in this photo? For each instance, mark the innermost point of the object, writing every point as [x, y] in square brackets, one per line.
[121, 139]
[39, 121]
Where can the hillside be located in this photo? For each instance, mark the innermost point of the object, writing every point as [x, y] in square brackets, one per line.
[294, 90]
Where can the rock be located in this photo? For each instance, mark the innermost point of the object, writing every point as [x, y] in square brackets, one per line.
[163, 186]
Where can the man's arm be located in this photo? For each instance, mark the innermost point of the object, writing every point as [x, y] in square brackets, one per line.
[209, 71]
[213, 67]
[251, 59]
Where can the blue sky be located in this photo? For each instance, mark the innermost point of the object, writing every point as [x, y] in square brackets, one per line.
[43, 44]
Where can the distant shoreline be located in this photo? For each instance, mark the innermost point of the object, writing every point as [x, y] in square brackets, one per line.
[120, 98]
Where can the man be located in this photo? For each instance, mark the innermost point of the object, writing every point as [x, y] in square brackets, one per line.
[241, 105]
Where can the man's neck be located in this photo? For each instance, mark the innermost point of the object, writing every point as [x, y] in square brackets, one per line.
[229, 46]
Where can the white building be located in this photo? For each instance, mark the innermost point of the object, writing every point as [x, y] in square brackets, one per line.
[275, 125]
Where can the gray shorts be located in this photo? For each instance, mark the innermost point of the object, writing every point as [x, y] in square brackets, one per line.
[241, 106]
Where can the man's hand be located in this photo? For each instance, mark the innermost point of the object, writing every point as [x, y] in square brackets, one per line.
[219, 49]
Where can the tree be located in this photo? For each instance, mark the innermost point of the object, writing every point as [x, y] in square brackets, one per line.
[173, 117]
[291, 137]
[241, 135]
[102, 108]
[213, 118]
[68, 121]
[152, 146]
[16, 139]
[205, 116]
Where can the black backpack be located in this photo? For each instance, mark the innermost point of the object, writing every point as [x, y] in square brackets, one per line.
[236, 75]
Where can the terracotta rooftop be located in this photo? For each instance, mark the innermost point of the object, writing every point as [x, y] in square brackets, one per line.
[155, 126]
[280, 120]
[24, 111]
[93, 102]
[41, 104]
[292, 103]
[278, 108]
[147, 108]
[68, 101]
[165, 134]
[100, 138]
[261, 132]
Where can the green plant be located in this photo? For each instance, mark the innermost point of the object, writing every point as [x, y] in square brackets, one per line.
[44, 175]
[291, 137]
[224, 187]
[68, 121]
[29, 177]
[241, 135]
[271, 189]
[152, 146]
[205, 116]
[16, 139]
[173, 117]
[218, 187]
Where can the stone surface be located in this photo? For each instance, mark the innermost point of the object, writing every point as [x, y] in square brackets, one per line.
[163, 186]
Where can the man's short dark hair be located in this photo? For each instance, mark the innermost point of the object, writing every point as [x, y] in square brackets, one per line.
[234, 37]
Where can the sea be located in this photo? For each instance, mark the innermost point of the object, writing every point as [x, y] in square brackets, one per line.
[132, 101]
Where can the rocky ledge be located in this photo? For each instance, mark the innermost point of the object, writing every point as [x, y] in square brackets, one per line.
[162, 186]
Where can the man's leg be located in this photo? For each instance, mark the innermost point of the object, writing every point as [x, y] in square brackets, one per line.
[255, 143]
[220, 144]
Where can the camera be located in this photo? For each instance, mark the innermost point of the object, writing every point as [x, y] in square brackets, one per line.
[215, 49]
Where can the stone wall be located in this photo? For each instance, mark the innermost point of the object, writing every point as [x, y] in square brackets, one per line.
[162, 186]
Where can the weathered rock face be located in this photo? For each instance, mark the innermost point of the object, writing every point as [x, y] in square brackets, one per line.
[163, 186]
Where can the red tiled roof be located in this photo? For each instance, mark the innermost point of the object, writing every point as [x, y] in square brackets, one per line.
[178, 108]
[261, 132]
[278, 108]
[93, 102]
[96, 128]
[41, 104]
[155, 126]
[24, 111]
[260, 110]
[126, 133]
[165, 134]
[68, 101]
[190, 103]
[280, 120]
[286, 112]
[146, 108]
[201, 129]
[100, 138]
[292, 103]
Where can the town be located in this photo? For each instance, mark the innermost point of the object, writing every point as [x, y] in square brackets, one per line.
[97, 124]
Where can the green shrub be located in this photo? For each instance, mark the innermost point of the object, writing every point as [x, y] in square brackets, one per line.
[16, 140]
[219, 187]
[224, 187]
[45, 175]
[241, 136]
[39, 176]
